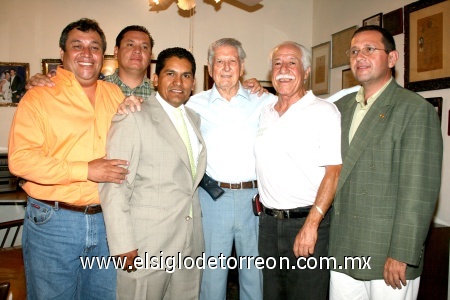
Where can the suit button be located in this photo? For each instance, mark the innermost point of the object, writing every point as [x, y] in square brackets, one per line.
[364, 192]
[188, 218]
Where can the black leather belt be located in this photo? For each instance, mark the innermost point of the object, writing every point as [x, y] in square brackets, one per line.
[281, 214]
[239, 186]
[87, 210]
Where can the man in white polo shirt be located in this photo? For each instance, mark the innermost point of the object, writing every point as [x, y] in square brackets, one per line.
[298, 160]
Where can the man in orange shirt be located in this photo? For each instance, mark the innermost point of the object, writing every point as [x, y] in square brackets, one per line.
[57, 143]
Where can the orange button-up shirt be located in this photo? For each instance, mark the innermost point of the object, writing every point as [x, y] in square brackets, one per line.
[55, 133]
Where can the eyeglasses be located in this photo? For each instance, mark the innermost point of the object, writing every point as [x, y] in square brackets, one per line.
[367, 51]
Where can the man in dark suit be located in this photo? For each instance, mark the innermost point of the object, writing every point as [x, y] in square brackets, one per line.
[17, 86]
[390, 178]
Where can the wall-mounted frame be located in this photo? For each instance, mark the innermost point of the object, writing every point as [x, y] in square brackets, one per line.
[437, 103]
[374, 20]
[49, 65]
[208, 81]
[268, 86]
[12, 92]
[427, 44]
[320, 69]
[393, 21]
[340, 42]
[348, 80]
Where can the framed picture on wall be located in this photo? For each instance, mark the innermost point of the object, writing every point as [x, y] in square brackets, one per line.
[208, 81]
[320, 69]
[437, 103]
[427, 45]
[340, 42]
[13, 78]
[373, 20]
[49, 65]
[348, 80]
[393, 21]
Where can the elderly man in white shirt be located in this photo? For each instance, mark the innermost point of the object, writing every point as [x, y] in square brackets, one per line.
[229, 122]
[298, 161]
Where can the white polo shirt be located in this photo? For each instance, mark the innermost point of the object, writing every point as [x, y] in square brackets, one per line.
[292, 151]
[229, 129]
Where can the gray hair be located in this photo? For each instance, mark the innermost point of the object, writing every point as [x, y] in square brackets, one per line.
[226, 42]
[306, 54]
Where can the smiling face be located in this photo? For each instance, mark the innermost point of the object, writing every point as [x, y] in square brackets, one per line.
[83, 56]
[226, 68]
[288, 75]
[134, 53]
[374, 70]
[175, 81]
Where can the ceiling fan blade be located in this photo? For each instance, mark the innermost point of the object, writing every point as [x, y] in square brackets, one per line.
[249, 2]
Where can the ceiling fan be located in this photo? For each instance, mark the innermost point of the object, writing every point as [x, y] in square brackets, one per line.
[190, 4]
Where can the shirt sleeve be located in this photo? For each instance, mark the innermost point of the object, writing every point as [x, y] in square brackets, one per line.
[28, 149]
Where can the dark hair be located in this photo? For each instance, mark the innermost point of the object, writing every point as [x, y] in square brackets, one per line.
[83, 25]
[173, 52]
[387, 39]
[139, 28]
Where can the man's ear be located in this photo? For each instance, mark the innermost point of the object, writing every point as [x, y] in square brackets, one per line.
[61, 54]
[116, 49]
[307, 73]
[210, 70]
[155, 80]
[392, 58]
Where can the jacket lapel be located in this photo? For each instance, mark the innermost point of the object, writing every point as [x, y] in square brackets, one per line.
[201, 165]
[168, 130]
[369, 127]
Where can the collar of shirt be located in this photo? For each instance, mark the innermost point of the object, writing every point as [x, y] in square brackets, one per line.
[143, 90]
[371, 100]
[215, 95]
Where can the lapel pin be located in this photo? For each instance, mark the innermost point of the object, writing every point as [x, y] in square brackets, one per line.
[382, 116]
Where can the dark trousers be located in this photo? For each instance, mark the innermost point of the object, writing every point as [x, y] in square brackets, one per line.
[276, 239]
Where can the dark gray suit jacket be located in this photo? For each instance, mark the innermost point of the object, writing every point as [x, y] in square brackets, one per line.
[389, 182]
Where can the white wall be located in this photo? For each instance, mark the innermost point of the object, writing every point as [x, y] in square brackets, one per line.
[330, 16]
[30, 30]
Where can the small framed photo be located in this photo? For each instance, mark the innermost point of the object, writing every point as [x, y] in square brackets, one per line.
[374, 20]
[208, 81]
[13, 78]
[340, 43]
[320, 69]
[348, 80]
[49, 65]
[393, 21]
[437, 103]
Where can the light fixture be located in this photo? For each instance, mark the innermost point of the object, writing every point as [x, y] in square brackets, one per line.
[190, 4]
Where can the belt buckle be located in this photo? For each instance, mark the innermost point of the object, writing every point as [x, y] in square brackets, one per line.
[236, 186]
[278, 214]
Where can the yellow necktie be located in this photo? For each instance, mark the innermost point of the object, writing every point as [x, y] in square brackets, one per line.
[182, 130]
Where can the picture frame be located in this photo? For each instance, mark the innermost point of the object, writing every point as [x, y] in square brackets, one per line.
[348, 80]
[437, 103]
[320, 69]
[393, 21]
[340, 43]
[208, 81]
[427, 43]
[11, 94]
[374, 20]
[49, 65]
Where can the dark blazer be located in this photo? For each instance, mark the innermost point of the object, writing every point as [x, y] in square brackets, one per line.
[17, 86]
[389, 182]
